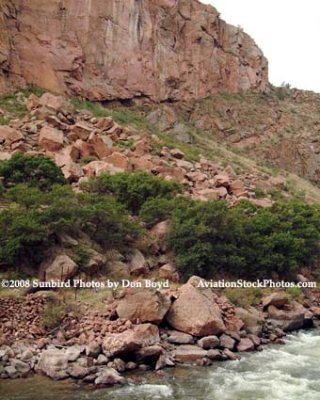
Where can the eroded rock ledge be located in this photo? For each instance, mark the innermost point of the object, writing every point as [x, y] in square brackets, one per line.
[162, 50]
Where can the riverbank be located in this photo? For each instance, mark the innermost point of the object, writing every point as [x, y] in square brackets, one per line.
[142, 330]
[289, 371]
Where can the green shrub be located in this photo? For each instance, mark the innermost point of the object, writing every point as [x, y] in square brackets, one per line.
[244, 297]
[209, 238]
[2, 189]
[34, 219]
[158, 209]
[81, 258]
[133, 189]
[203, 238]
[260, 193]
[296, 294]
[87, 159]
[4, 120]
[23, 238]
[155, 210]
[106, 221]
[52, 315]
[38, 171]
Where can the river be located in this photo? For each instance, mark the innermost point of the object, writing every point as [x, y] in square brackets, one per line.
[289, 372]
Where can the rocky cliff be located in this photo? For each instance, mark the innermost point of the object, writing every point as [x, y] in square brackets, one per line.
[4, 46]
[162, 50]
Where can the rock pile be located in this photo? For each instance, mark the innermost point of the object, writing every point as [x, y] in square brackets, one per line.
[84, 146]
[198, 327]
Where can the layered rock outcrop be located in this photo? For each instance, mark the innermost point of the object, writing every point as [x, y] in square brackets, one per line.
[127, 49]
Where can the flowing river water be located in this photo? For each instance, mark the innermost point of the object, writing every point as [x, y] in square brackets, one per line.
[289, 372]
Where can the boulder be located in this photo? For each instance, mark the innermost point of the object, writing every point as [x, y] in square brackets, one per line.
[315, 311]
[138, 264]
[168, 271]
[109, 376]
[105, 123]
[118, 364]
[222, 180]
[263, 203]
[215, 355]
[96, 168]
[130, 340]
[95, 263]
[102, 360]
[209, 342]
[78, 372]
[149, 353]
[61, 269]
[189, 354]
[119, 160]
[185, 165]
[253, 319]
[27, 355]
[245, 345]
[11, 372]
[177, 337]
[55, 103]
[99, 148]
[22, 367]
[4, 156]
[51, 139]
[85, 149]
[161, 229]
[54, 121]
[212, 194]
[53, 363]
[165, 360]
[79, 131]
[230, 355]
[73, 352]
[142, 148]
[197, 177]
[195, 311]
[278, 299]
[291, 317]
[237, 188]
[176, 153]
[65, 156]
[141, 163]
[9, 135]
[143, 305]
[227, 342]
[115, 131]
[131, 365]
[32, 102]
[255, 339]
[72, 172]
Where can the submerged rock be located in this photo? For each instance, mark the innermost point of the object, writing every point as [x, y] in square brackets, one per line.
[188, 354]
[109, 376]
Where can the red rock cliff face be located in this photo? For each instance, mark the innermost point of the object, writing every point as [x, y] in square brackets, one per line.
[128, 49]
[4, 47]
